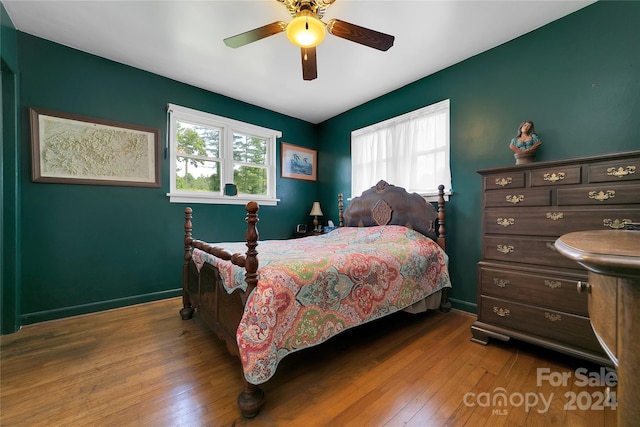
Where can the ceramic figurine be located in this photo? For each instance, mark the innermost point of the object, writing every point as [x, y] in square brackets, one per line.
[525, 143]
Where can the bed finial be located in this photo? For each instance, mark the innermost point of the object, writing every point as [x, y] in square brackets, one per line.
[251, 265]
[381, 186]
[340, 210]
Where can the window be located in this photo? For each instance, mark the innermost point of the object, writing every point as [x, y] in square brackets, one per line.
[410, 151]
[209, 151]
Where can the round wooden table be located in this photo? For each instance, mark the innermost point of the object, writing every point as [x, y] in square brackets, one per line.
[613, 260]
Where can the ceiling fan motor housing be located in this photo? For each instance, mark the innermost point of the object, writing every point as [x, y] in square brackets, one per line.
[317, 7]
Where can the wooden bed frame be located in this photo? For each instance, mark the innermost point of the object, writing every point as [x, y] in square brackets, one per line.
[203, 290]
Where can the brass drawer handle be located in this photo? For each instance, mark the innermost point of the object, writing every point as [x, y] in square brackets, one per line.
[553, 284]
[515, 199]
[583, 287]
[553, 177]
[554, 216]
[601, 196]
[620, 172]
[503, 181]
[505, 249]
[616, 224]
[552, 317]
[501, 283]
[505, 222]
[502, 312]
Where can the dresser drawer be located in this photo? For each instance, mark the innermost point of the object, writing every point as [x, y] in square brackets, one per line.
[504, 180]
[550, 324]
[555, 221]
[527, 250]
[544, 289]
[561, 175]
[604, 194]
[622, 170]
[517, 197]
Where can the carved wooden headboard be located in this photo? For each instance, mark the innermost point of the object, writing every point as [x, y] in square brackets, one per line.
[386, 204]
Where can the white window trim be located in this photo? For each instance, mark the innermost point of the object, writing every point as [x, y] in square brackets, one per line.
[176, 113]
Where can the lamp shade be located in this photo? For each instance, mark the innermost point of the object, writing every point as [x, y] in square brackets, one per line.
[305, 30]
[315, 210]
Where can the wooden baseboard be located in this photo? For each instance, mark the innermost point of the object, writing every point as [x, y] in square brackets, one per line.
[77, 310]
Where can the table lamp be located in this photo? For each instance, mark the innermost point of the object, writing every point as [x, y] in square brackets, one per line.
[315, 213]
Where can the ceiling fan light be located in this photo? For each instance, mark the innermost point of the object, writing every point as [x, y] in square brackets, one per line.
[305, 30]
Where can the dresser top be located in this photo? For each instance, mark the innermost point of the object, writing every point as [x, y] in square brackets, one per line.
[563, 162]
[603, 251]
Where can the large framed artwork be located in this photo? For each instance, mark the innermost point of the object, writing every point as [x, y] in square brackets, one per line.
[298, 162]
[72, 149]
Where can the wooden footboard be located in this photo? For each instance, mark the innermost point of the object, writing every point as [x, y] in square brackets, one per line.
[221, 311]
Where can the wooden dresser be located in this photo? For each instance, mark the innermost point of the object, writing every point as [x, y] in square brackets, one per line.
[526, 289]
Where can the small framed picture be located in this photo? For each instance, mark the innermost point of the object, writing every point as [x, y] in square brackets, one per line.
[298, 162]
[301, 228]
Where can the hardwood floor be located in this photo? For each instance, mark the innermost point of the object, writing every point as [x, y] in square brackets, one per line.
[144, 366]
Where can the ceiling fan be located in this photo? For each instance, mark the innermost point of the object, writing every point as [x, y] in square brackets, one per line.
[307, 31]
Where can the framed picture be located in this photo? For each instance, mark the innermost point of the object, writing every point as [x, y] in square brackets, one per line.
[72, 149]
[298, 162]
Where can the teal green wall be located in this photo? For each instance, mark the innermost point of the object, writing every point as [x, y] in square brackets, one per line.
[82, 248]
[577, 78]
[9, 186]
[87, 247]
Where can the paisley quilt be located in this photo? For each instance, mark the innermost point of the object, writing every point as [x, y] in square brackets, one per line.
[312, 288]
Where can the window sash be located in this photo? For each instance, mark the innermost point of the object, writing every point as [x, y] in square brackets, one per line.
[411, 151]
[228, 128]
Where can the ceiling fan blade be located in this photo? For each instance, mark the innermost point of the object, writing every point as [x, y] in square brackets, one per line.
[309, 64]
[256, 34]
[358, 34]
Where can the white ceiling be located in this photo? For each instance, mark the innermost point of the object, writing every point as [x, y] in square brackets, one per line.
[182, 40]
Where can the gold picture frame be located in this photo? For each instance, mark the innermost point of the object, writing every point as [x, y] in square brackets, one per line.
[73, 149]
[298, 162]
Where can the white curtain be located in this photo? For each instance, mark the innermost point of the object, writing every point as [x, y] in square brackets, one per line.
[410, 151]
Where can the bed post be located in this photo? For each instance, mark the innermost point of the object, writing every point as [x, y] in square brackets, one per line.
[340, 209]
[187, 309]
[251, 399]
[441, 216]
[251, 263]
[445, 304]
